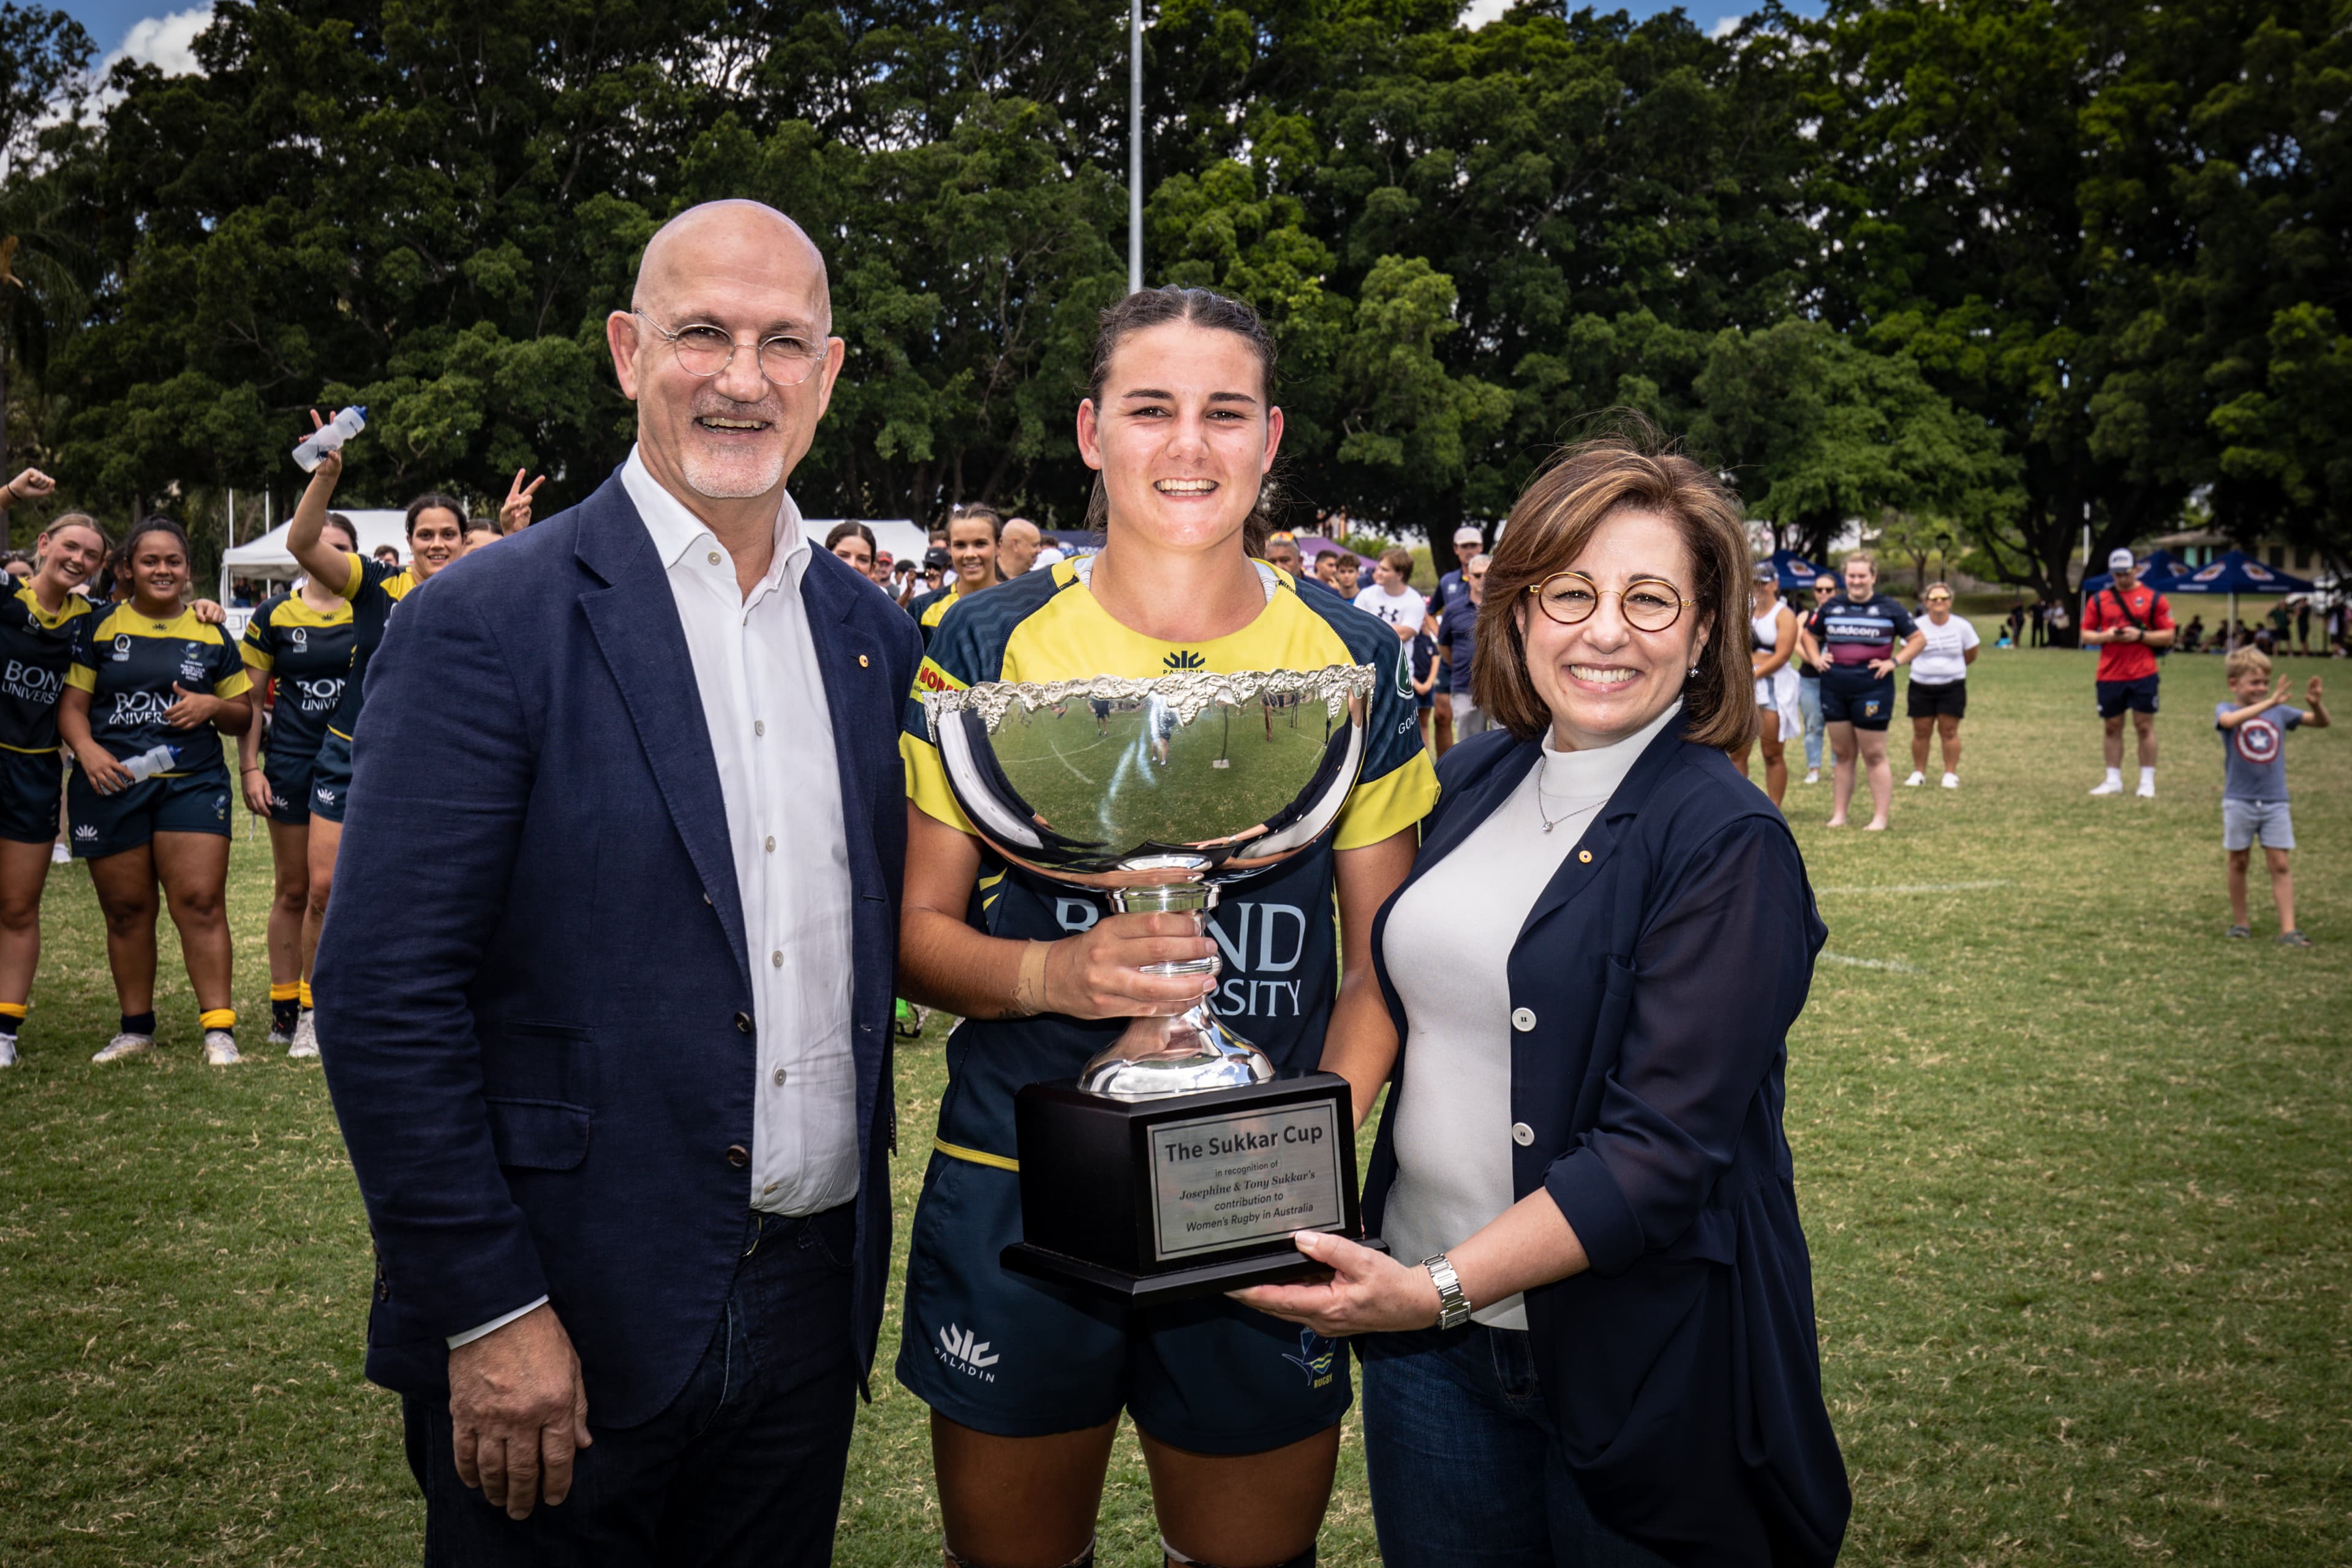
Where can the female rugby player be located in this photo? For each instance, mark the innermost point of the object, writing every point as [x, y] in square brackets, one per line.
[437, 536]
[303, 640]
[36, 623]
[1239, 1413]
[146, 674]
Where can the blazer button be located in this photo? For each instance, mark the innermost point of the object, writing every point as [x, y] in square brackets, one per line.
[861, 661]
[1522, 1134]
[1522, 1019]
[742, 1023]
[737, 1156]
[1584, 856]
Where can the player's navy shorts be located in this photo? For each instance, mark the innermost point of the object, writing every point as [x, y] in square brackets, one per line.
[288, 779]
[1864, 707]
[1015, 1357]
[330, 778]
[1931, 700]
[29, 785]
[106, 825]
[2140, 696]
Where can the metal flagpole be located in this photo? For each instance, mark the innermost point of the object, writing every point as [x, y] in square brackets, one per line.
[1134, 146]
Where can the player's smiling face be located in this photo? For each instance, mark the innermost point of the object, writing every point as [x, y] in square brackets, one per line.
[1183, 435]
[971, 546]
[1601, 678]
[75, 549]
[437, 539]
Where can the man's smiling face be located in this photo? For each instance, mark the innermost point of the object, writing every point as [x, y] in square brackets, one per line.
[746, 271]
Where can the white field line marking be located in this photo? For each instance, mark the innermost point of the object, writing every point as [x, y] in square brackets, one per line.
[1898, 966]
[1914, 887]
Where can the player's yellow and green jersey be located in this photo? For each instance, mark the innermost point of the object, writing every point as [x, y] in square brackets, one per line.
[309, 653]
[35, 648]
[1278, 934]
[374, 589]
[129, 664]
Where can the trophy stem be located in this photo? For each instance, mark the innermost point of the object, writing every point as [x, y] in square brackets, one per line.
[1180, 1054]
[1170, 897]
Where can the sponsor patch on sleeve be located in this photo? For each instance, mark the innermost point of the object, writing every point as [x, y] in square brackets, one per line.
[930, 677]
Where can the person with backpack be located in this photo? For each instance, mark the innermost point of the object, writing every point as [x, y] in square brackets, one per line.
[2130, 623]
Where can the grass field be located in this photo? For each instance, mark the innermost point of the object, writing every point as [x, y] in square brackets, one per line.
[2072, 1167]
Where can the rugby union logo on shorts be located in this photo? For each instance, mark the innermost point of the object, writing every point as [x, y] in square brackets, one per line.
[960, 1351]
[1315, 1356]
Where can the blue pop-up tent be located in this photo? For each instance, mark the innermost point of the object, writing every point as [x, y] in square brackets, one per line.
[1795, 571]
[2232, 573]
[2157, 571]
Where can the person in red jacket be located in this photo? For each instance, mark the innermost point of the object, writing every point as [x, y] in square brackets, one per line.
[2127, 622]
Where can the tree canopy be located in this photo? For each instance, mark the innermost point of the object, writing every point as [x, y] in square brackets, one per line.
[2015, 265]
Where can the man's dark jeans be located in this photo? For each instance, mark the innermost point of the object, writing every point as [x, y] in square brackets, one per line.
[745, 1466]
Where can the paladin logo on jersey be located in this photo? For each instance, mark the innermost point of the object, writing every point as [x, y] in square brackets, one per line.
[960, 1352]
[1184, 658]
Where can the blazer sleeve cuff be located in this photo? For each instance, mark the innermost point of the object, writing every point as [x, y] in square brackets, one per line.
[494, 1324]
[1595, 1208]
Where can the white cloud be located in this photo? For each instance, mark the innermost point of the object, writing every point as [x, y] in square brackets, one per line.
[167, 43]
[1725, 26]
[1478, 13]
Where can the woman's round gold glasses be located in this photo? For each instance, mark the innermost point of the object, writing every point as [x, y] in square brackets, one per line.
[704, 351]
[1648, 604]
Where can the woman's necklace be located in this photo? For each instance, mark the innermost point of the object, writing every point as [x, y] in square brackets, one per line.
[1549, 820]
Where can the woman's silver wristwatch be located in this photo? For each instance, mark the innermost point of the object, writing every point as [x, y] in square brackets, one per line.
[1453, 1306]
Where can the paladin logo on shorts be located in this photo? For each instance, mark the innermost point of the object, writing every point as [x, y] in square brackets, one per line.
[86, 833]
[960, 1351]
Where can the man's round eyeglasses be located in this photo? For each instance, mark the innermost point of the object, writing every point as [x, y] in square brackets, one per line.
[1648, 604]
[705, 350]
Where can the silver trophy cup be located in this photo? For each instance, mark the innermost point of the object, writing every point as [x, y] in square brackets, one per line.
[1156, 791]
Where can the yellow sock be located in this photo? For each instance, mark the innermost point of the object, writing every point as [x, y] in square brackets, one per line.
[303, 991]
[284, 992]
[218, 1018]
[16, 1010]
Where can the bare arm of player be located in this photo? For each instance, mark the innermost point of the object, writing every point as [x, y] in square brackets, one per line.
[97, 764]
[1360, 1042]
[1808, 650]
[1097, 973]
[250, 782]
[305, 538]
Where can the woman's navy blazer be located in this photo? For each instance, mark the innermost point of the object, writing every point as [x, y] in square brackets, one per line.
[1652, 986]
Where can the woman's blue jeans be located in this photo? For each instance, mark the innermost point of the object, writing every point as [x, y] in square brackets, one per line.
[1808, 703]
[1464, 1467]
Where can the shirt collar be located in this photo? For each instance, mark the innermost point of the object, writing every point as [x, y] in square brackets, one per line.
[676, 529]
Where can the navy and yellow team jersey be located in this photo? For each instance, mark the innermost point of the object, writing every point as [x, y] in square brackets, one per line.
[930, 608]
[35, 648]
[374, 589]
[129, 663]
[309, 652]
[1278, 934]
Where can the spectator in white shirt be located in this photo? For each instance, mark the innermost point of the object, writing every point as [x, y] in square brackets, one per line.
[1938, 697]
[1391, 596]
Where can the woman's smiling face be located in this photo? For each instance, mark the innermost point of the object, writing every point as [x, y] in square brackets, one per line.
[1183, 435]
[1603, 678]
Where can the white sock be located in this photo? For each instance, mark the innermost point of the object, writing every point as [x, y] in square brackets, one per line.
[2147, 778]
[2116, 777]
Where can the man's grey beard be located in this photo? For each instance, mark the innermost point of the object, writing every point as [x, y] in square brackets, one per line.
[712, 486]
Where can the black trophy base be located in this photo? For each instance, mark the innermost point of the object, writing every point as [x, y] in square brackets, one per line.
[1164, 1200]
[1179, 1285]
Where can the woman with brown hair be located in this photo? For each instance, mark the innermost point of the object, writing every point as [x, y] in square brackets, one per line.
[1591, 1339]
[1239, 1413]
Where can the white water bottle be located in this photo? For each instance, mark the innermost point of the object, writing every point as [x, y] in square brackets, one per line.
[330, 437]
[148, 764]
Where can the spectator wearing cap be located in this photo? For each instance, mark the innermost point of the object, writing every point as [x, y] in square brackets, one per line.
[2129, 622]
[1454, 586]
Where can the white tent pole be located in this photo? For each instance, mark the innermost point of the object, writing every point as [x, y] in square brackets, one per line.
[1135, 146]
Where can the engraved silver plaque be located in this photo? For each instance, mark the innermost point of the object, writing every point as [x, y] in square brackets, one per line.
[1220, 1181]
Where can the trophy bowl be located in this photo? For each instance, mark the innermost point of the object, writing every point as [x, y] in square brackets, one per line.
[1176, 1164]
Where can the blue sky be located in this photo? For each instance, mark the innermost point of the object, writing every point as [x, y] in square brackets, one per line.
[160, 32]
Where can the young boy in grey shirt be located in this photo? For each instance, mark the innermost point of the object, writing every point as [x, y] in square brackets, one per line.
[2253, 782]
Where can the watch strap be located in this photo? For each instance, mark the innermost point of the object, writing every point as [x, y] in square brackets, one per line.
[1453, 1306]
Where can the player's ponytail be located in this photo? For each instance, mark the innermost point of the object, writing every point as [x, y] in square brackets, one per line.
[1149, 307]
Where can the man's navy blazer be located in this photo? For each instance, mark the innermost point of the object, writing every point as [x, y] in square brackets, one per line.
[1651, 988]
[534, 998]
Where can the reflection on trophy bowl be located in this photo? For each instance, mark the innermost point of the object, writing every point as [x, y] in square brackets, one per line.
[1155, 791]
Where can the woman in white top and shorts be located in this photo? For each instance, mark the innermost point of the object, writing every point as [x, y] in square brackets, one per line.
[1772, 649]
[1939, 685]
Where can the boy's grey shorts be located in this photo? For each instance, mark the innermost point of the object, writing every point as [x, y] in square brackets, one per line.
[2244, 821]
